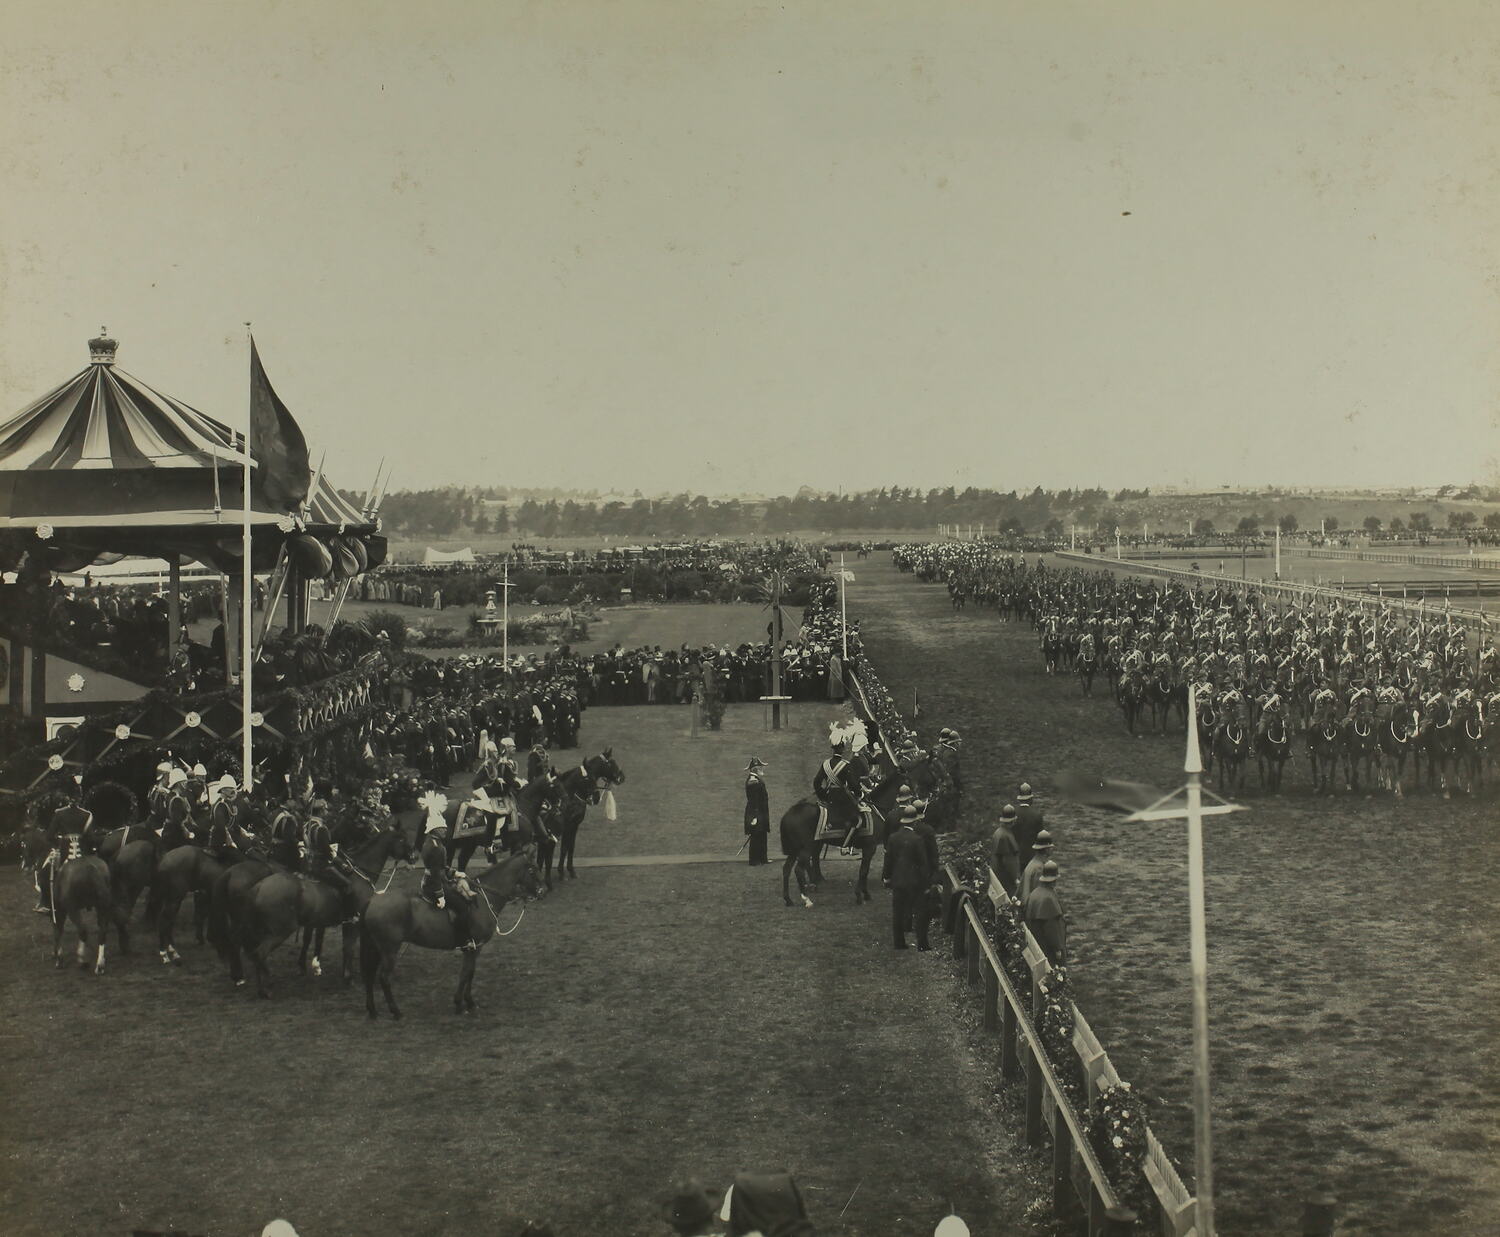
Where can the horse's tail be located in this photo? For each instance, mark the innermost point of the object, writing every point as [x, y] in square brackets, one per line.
[218, 914]
[369, 955]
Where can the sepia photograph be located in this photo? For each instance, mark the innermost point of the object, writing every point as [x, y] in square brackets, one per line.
[543, 545]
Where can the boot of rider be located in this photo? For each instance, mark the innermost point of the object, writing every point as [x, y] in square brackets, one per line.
[463, 923]
[44, 887]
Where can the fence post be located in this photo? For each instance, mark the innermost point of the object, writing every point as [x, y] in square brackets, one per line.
[975, 953]
[1010, 1063]
[1034, 1089]
[991, 999]
[1063, 1206]
[1118, 1222]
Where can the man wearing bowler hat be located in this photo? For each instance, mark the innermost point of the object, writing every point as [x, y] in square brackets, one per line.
[1041, 853]
[1029, 823]
[907, 874]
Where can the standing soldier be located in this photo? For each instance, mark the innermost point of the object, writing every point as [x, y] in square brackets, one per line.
[1029, 823]
[1041, 854]
[1005, 851]
[1043, 913]
[757, 811]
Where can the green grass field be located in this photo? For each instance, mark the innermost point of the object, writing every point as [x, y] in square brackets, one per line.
[643, 1024]
[1354, 947]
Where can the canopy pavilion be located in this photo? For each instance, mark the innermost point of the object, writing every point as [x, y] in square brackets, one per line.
[105, 466]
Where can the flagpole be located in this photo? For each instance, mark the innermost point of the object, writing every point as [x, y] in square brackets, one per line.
[1203, 1165]
[843, 613]
[247, 585]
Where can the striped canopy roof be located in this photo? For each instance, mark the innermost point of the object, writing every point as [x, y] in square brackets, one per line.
[104, 418]
[104, 451]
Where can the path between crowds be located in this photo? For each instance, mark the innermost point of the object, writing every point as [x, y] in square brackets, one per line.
[650, 1020]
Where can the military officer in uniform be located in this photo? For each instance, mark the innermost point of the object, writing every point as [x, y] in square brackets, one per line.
[438, 885]
[323, 861]
[757, 810]
[286, 842]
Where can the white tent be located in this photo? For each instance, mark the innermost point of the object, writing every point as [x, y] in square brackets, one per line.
[466, 555]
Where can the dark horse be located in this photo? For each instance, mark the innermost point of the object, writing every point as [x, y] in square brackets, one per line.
[1324, 746]
[1231, 750]
[577, 788]
[1395, 734]
[78, 886]
[283, 902]
[181, 871]
[1087, 664]
[1273, 744]
[799, 834]
[391, 920]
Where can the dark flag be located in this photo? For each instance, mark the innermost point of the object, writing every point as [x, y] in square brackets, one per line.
[283, 473]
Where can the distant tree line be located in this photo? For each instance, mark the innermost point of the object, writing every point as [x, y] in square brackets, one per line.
[454, 512]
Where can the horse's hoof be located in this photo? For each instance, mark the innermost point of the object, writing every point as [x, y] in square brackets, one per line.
[239, 983]
[317, 967]
[165, 960]
[807, 903]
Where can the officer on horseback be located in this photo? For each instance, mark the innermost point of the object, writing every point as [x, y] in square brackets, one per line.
[441, 886]
[227, 836]
[68, 836]
[323, 862]
[286, 842]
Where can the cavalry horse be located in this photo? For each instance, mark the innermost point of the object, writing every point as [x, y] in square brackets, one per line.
[1273, 745]
[577, 788]
[283, 902]
[1436, 742]
[1132, 696]
[538, 814]
[181, 871]
[1394, 735]
[78, 886]
[1469, 744]
[1051, 643]
[1087, 664]
[801, 849]
[1231, 747]
[1361, 747]
[391, 920]
[1324, 747]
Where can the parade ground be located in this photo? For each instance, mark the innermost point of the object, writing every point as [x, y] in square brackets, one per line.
[656, 1018]
[1354, 951]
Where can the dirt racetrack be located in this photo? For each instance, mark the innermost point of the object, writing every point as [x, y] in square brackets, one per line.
[644, 1023]
[1354, 943]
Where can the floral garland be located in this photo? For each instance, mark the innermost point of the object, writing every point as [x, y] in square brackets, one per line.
[1116, 1129]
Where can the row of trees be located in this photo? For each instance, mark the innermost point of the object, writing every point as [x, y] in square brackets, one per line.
[453, 511]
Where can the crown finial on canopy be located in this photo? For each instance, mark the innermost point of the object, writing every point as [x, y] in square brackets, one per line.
[102, 349]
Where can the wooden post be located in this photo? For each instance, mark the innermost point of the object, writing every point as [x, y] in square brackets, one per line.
[1010, 1061]
[991, 999]
[1034, 1089]
[975, 953]
[174, 606]
[1063, 1206]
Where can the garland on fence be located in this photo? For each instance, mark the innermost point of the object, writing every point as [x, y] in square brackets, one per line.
[1116, 1124]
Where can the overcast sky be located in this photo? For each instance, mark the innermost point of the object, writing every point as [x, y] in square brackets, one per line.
[732, 246]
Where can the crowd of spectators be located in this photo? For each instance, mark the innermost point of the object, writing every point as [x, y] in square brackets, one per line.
[703, 571]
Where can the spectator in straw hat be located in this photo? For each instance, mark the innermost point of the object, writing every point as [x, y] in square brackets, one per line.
[1041, 853]
[1043, 913]
[692, 1210]
[1005, 850]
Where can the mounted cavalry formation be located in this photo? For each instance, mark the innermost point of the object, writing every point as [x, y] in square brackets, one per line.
[1363, 694]
[260, 873]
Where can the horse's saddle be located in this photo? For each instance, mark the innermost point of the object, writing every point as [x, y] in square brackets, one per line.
[861, 826]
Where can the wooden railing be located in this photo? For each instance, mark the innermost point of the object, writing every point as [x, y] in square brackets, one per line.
[1080, 1186]
[1459, 562]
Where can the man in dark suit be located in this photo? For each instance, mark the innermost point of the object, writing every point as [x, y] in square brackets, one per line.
[908, 873]
[757, 810]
